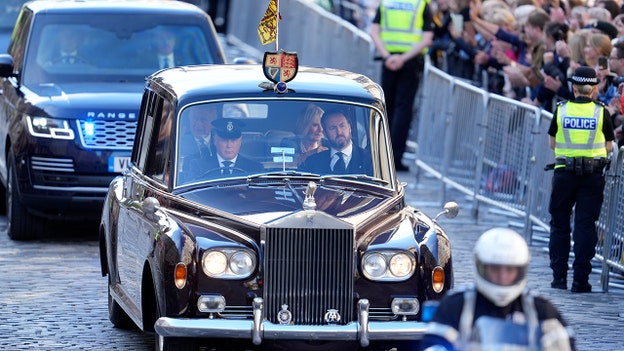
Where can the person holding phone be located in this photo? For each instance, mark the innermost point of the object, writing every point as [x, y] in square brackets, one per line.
[607, 91]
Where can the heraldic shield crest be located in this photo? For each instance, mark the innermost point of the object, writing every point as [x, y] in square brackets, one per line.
[280, 66]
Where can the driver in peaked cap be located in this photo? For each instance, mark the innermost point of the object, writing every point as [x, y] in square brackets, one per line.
[227, 140]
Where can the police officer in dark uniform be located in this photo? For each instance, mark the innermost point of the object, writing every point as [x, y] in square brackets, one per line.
[581, 133]
[498, 313]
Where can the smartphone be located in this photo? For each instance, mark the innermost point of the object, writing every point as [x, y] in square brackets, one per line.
[603, 62]
[458, 21]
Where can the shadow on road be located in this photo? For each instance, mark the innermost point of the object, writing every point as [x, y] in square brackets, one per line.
[57, 230]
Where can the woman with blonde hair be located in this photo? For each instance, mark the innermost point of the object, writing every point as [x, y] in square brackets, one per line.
[576, 44]
[308, 134]
[598, 44]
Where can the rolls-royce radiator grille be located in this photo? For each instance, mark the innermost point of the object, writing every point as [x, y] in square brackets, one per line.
[310, 271]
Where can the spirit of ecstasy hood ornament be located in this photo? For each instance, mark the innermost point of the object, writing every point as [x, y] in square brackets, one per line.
[309, 204]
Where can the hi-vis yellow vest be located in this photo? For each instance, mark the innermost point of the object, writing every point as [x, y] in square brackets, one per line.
[579, 132]
[401, 24]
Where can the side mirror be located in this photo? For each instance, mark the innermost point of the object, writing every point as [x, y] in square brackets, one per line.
[6, 65]
[451, 209]
[150, 206]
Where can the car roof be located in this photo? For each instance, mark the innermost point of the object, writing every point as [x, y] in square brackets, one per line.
[109, 6]
[240, 81]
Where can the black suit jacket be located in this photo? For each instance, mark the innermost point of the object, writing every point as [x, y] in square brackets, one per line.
[319, 163]
[197, 167]
[188, 146]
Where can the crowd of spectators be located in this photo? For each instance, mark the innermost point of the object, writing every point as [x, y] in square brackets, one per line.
[526, 49]
[523, 49]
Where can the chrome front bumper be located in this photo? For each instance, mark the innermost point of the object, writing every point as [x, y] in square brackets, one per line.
[259, 329]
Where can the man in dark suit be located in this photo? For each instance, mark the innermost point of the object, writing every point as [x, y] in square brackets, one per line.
[343, 157]
[165, 43]
[67, 52]
[196, 141]
[162, 51]
[226, 161]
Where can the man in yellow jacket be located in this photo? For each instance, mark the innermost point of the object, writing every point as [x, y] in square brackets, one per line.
[581, 133]
[402, 32]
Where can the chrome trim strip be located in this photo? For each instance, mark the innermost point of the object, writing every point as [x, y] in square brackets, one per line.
[79, 189]
[54, 169]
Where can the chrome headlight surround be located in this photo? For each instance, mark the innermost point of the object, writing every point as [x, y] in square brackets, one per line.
[47, 127]
[228, 263]
[388, 265]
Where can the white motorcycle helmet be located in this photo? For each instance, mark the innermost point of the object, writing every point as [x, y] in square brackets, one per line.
[502, 249]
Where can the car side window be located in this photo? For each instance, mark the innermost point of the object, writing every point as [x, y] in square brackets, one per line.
[144, 133]
[158, 164]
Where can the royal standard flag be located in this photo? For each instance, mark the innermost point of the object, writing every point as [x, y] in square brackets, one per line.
[267, 29]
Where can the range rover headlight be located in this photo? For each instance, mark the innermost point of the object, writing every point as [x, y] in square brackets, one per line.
[388, 265]
[228, 263]
[45, 127]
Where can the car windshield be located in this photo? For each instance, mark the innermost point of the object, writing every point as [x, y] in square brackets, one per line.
[254, 139]
[113, 48]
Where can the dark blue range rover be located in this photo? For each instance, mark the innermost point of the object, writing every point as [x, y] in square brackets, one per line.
[71, 91]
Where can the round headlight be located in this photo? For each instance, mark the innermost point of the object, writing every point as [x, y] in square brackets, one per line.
[214, 263]
[401, 265]
[241, 263]
[375, 265]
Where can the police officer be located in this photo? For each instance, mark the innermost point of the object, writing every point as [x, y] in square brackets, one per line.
[581, 133]
[402, 32]
[500, 313]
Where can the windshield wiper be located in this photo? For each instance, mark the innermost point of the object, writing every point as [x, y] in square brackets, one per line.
[280, 175]
[361, 177]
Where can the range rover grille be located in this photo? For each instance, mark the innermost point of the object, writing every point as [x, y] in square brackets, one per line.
[311, 271]
[107, 134]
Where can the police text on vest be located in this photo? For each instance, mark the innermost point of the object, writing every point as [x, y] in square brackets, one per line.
[580, 123]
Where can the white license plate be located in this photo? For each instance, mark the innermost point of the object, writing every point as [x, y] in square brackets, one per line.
[118, 164]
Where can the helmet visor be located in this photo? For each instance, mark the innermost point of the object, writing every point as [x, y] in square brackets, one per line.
[502, 275]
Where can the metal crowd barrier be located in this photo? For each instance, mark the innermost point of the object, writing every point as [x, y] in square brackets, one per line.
[494, 150]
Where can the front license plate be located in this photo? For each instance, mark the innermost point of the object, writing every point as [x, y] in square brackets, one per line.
[118, 164]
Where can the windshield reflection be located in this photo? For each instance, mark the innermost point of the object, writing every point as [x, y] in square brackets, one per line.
[104, 52]
[225, 140]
